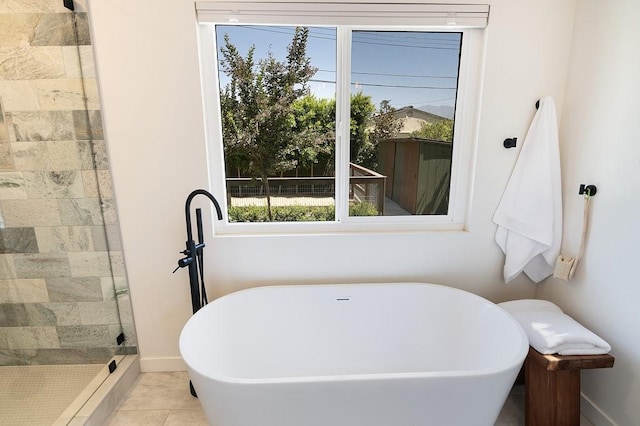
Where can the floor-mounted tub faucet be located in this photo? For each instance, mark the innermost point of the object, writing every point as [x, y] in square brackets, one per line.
[194, 258]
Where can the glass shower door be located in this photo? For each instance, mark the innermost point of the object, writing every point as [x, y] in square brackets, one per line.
[64, 307]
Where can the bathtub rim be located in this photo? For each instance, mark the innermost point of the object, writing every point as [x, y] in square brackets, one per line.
[522, 337]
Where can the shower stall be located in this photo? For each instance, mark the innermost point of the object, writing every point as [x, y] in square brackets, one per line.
[65, 315]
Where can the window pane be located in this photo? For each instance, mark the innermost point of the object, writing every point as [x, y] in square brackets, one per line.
[403, 97]
[277, 100]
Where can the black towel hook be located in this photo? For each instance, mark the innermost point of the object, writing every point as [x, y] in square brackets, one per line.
[510, 142]
[587, 190]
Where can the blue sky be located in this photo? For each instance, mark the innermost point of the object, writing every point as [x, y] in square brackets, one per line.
[406, 68]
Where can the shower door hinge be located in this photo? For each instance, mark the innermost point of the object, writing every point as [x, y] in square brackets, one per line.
[68, 4]
[112, 366]
[120, 338]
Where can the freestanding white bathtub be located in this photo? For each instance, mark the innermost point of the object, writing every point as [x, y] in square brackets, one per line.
[352, 355]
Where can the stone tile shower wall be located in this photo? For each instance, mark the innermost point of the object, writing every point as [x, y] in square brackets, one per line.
[63, 289]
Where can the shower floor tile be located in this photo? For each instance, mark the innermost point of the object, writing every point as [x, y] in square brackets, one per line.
[39, 394]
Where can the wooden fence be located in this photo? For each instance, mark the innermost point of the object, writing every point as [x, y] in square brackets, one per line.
[364, 186]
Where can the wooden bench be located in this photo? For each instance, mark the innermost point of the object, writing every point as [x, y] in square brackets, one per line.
[552, 387]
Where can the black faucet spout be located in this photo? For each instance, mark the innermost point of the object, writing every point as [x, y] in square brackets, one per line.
[187, 208]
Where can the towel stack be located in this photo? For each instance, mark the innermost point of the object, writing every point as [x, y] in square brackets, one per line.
[551, 331]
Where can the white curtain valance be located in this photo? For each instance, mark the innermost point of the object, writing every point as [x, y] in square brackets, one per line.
[342, 13]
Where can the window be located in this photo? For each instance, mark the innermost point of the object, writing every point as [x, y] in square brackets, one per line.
[322, 117]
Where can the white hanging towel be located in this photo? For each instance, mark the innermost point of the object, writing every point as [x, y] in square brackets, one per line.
[529, 215]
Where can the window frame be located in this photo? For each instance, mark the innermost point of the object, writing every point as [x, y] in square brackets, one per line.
[465, 120]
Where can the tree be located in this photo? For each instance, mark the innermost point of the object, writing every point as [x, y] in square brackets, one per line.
[441, 130]
[316, 118]
[362, 110]
[257, 108]
[315, 121]
[386, 126]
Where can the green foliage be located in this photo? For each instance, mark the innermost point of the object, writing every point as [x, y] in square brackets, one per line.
[362, 208]
[271, 124]
[441, 130]
[315, 114]
[297, 213]
[282, 214]
[257, 107]
[386, 126]
[362, 109]
[315, 120]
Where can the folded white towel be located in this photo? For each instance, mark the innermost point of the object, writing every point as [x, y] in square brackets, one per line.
[551, 331]
[529, 215]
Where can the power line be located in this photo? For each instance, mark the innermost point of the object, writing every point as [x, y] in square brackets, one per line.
[404, 35]
[272, 30]
[405, 45]
[269, 29]
[401, 86]
[395, 75]
[414, 102]
[371, 34]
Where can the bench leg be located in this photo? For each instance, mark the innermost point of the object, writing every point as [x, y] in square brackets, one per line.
[552, 398]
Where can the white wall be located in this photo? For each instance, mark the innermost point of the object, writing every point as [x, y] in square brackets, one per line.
[601, 145]
[147, 64]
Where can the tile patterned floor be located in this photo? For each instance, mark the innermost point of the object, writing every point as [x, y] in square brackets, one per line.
[37, 394]
[154, 399]
[163, 399]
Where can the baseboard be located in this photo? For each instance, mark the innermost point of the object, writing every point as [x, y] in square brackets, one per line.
[593, 413]
[155, 365]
